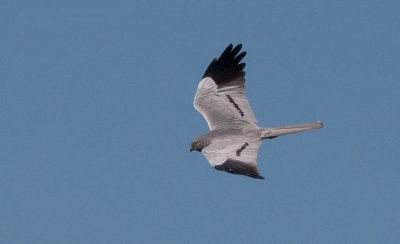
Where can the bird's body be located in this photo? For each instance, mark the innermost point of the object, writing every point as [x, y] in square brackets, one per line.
[235, 137]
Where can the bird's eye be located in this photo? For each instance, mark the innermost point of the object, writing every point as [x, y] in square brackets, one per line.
[196, 143]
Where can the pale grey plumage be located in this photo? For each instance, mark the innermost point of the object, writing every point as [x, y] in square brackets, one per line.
[235, 137]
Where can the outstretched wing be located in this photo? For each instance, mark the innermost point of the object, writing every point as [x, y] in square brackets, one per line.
[236, 155]
[220, 96]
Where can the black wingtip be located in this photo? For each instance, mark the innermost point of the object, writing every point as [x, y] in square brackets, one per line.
[257, 176]
[261, 177]
[237, 167]
[227, 68]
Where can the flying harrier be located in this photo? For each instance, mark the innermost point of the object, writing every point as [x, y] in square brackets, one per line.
[234, 138]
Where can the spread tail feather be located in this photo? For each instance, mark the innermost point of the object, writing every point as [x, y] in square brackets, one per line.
[284, 130]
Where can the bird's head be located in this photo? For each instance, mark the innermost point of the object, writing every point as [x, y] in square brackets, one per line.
[199, 143]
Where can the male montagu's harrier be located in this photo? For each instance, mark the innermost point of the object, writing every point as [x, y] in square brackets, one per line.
[234, 138]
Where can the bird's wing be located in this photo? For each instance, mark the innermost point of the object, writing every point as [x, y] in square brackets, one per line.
[220, 96]
[236, 155]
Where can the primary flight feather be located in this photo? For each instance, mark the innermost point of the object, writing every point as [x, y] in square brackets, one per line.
[235, 137]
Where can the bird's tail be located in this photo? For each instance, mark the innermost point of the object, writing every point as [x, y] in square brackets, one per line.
[269, 133]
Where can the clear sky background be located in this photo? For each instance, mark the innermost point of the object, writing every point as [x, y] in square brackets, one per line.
[96, 118]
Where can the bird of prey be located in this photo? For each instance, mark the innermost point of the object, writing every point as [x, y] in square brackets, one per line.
[235, 137]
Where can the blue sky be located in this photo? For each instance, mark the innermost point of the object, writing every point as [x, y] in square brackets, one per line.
[97, 117]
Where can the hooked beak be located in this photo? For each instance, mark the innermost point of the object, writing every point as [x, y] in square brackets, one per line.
[191, 147]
